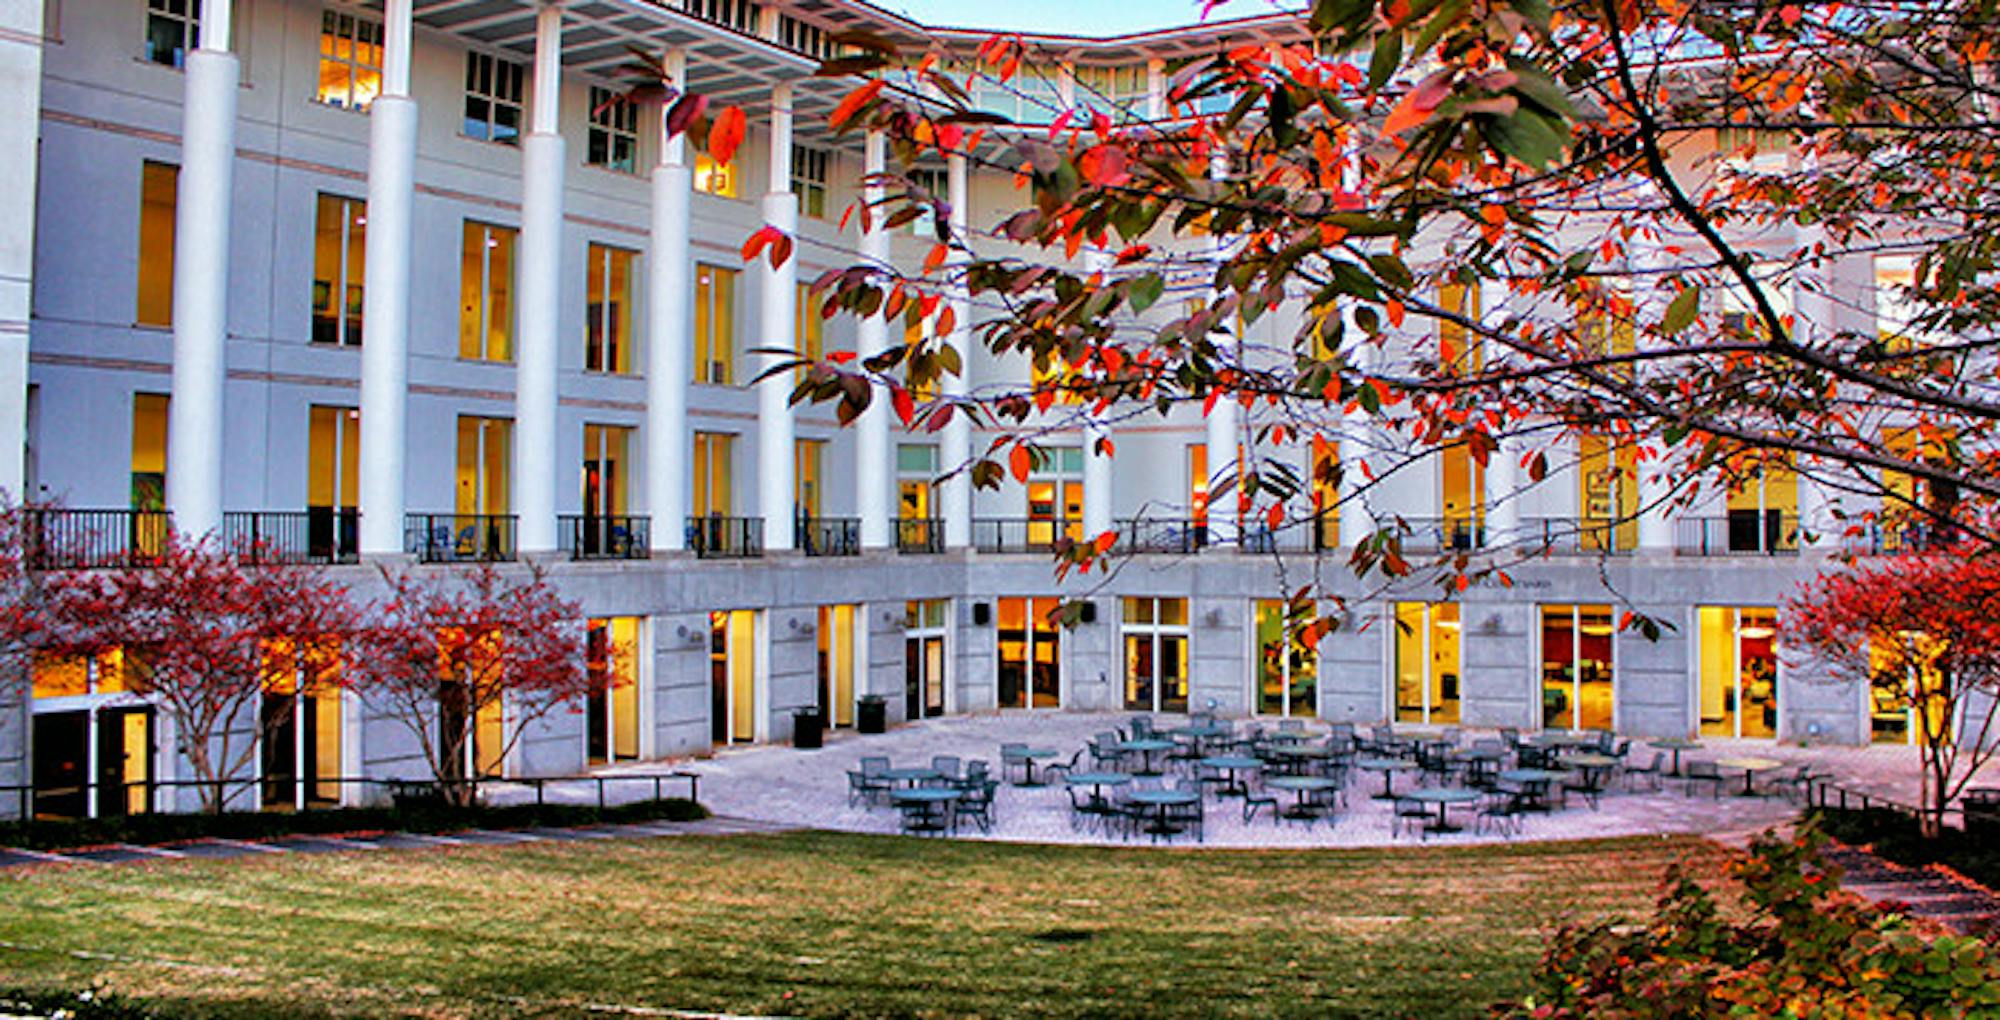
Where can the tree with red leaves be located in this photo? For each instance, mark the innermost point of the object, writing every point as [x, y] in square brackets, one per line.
[1922, 632]
[207, 637]
[469, 660]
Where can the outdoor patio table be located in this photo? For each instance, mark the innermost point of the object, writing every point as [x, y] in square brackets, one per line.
[1596, 769]
[1146, 749]
[925, 809]
[1388, 767]
[1028, 758]
[911, 774]
[1293, 759]
[1479, 764]
[1288, 737]
[1235, 765]
[1301, 787]
[1676, 745]
[1443, 797]
[1750, 767]
[1097, 781]
[1200, 735]
[1530, 777]
[1160, 801]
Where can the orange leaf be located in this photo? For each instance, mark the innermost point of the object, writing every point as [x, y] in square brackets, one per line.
[906, 408]
[853, 102]
[1106, 541]
[935, 259]
[726, 134]
[1021, 462]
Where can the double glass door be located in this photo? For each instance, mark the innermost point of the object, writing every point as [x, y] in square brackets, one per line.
[1030, 649]
[94, 763]
[924, 658]
[1577, 668]
[1156, 655]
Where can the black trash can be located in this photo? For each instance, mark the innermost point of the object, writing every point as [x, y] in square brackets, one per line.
[808, 729]
[1982, 812]
[873, 714]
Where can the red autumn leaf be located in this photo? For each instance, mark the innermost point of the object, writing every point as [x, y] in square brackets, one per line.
[727, 133]
[685, 112]
[1021, 462]
[853, 103]
[906, 406]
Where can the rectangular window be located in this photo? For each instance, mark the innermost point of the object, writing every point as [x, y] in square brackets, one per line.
[339, 267]
[712, 451]
[1458, 347]
[350, 60]
[1607, 495]
[714, 178]
[924, 658]
[1577, 668]
[1739, 671]
[714, 325]
[807, 455]
[613, 141]
[149, 451]
[1462, 482]
[916, 466]
[485, 451]
[158, 187]
[1055, 497]
[809, 173]
[173, 27]
[1326, 494]
[1896, 309]
[1764, 508]
[836, 661]
[810, 327]
[611, 652]
[604, 469]
[1287, 670]
[494, 94]
[1427, 662]
[732, 658]
[1156, 654]
[936, 183]
[1197, 472]
[333, 481]
[1029, 646]
[486, 293]
[607, 344]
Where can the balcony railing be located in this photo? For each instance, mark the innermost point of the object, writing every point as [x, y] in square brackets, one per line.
[923, 535]
[1440, 534]
[320, 534]
[1742, 533]
[1896, 539]
[67, 539]
[595, 537]
[1160, 535]
[1021, 534]
[459, 538]
[828, 536]
[1574, 536]
[726, 538]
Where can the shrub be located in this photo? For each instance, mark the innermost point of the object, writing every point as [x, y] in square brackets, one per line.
[1795, 950]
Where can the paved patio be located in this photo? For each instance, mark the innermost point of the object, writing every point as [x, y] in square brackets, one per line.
[808, 788]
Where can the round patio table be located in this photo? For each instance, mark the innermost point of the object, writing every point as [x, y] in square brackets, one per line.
[1288, 737]
[1596, 769]
[1029, 757]
[1388, 767]
[1676, 745]
[1160, 801]
[1295, 756]
[1750, 767]
[925, 809]
[1097, 781]
[1563, 740]
[1235, 765]
[1531, 777]
[911, 774]
[1146, 749]
[1480, 764]
[1443, 797]
[1301, 787]
[1200, 735]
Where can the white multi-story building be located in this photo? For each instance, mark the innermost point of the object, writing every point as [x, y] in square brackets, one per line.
[395, 282]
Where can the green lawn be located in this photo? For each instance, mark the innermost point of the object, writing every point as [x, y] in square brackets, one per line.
[824, 925]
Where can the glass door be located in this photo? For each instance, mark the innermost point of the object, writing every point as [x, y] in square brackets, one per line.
[836, 665]
[1287, 671]
[1156, 654]
[1427, 662]
[924, 658]
[1739, 671]
[611, 727]
[732, 671]
[1030, 659]
[1577, 667]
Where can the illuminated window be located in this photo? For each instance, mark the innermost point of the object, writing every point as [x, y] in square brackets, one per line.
[604, 469]
[486, 292]
[1427, 662]
[607, 345]
[1197, 472]
[837, 657]
[350, 60]
[1607, 494]
[1458, 348]
[809, 172]
[916, 332]
[1055, 497]
[808, 456]
[494, 96]
[732, 658]
[149, 451]
[1577, 667]
[1764, 507]
[1896, 310]
[1739, 671]
[714, 178]
[1029, 649]
[1287, 670]
[611, 724]
[1155, 632]
[916, 466]
[712, 452]
[485, 460]
[173, 27]
[333, 481]
[1462, 481]
[157, 188]
[340, 244]
[810, 326]
[1326, 495]
[714, 325]
[613, 141]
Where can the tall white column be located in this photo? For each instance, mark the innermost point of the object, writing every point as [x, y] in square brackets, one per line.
[777, 291]
[1097, 469]
[1656, 525]
[385, 352]
[20, 126]
[201, 280]
[955, 497]
[872, 430]
[669, 334]
[540, 316]
[1356, 522]
[1224, 423]
[1503, 469]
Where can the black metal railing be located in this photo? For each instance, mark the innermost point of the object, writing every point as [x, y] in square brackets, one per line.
[1442, 534]
[726, 538]
[1742, 533]
[320, 534]
[1575, 536]
[1879, 539]
[59, 538]
[459, 538]
[920, 535]
[1160, 535]
[1021, 534]
[596, 537]
[828, 536]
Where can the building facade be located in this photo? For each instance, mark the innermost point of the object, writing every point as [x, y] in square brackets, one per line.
[403, 284]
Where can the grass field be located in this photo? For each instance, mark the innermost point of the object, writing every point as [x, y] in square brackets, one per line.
[824, 925]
